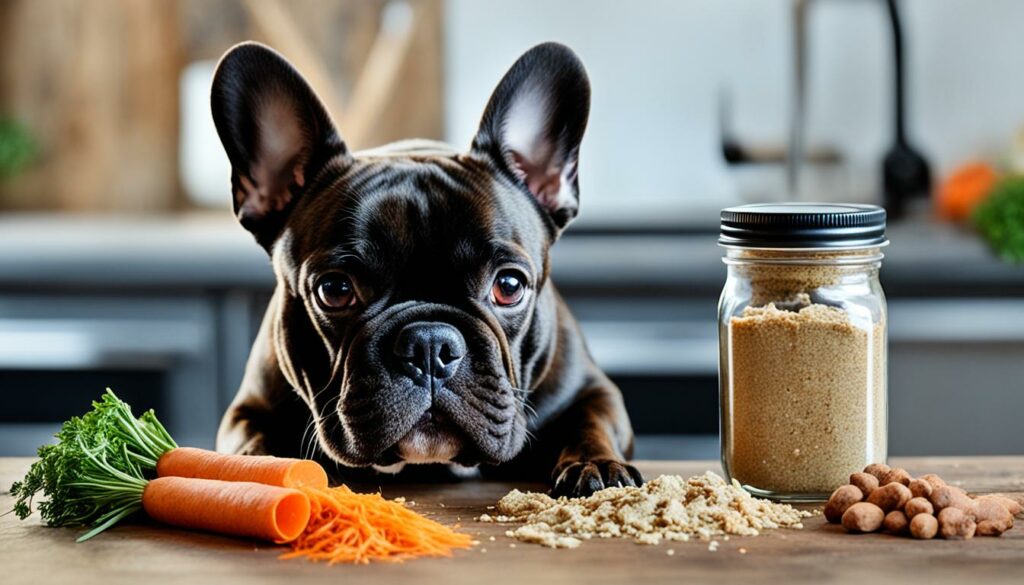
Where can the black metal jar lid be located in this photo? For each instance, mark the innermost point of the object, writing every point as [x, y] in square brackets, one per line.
[803, 225]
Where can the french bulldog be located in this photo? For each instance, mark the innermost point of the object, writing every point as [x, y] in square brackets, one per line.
[414, 319]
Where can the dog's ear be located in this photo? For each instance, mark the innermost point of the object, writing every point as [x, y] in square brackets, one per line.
[276, 132]
[534, 123]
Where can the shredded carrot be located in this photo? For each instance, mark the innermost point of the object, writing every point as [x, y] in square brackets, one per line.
[346, 527]
[343, 527]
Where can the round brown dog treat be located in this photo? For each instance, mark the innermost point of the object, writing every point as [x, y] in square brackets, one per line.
[993, 518]
[920, 488]
[949, 496]
[1012, 506]
[896, 475]
[918, 506]
[933, 480]
[944, 496]
[889, 497]
[863, 517]
[841, 499]
[924, 526]
[878, 470]
[895, 522]
[955, 524]
[865, 481]
[989, 528]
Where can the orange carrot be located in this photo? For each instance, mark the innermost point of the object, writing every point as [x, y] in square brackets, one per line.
[238, 508]
[346, 527]
[279, 471]
[98, 475]
[964, 189]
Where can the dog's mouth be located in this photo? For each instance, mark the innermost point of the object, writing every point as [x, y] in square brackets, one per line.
[412, 425]
[433, 439]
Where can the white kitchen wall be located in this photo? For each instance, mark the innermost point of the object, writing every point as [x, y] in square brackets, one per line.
[658, 66]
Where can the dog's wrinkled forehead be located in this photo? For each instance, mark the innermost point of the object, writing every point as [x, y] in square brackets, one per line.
[292, 169]
[438, 217]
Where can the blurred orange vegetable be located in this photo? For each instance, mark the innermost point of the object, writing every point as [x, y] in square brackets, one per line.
[964, 189]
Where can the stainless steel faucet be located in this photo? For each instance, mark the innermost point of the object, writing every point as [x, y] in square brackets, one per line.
[905, 173]
[797, 110]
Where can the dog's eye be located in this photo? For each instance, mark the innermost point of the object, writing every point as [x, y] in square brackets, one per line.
[335, 291]
[509, 288]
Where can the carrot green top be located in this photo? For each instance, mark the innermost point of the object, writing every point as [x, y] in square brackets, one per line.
[95, 473]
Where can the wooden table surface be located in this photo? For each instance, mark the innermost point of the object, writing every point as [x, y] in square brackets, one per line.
[820, 553]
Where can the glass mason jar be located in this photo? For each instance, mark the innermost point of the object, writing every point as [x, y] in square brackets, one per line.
[802, 342]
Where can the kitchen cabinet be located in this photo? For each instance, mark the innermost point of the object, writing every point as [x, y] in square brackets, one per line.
[162, 351]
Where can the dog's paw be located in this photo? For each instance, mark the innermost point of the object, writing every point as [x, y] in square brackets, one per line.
[582, 478]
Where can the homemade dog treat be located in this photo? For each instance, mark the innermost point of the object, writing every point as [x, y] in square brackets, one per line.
[920, 488]
[949, 496]
[808, 396]
[920, 506]
[896, 522]
[993, 517]
[665, 508]
[929, 507]
[955, 524]
[924, 526]
[895, 475]
[877, 469]
[844, 497]
[863, 517]
[891, 496]
[933, 480]
[865, 481]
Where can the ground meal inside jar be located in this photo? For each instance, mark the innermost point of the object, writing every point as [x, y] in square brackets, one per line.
[665, 508]
[807, 399]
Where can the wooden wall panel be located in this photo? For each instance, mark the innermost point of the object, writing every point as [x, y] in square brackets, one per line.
[96, 83]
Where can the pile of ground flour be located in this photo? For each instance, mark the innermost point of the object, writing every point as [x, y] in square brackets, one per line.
[666, 508]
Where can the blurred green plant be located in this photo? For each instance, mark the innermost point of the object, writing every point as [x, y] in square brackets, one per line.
[17, 148]
[1000, 218]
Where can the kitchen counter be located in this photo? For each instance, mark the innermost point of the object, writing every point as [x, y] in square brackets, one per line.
[820, 553]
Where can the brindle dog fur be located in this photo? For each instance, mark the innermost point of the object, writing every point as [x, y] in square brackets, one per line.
[414, 319]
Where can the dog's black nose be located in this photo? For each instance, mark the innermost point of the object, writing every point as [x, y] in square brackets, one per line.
[430, 350]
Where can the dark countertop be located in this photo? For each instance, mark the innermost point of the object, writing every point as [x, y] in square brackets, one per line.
[209, 251]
